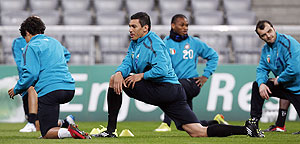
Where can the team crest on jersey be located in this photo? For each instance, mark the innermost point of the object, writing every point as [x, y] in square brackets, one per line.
[187, 46]
[268, 58]
[172, 51]
[137, 58]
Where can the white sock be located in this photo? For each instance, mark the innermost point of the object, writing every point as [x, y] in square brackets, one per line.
[63, 133]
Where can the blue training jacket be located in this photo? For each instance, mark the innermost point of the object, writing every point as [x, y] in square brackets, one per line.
[185, 54]
[283, 59]
[17, 50]
[149, 55]
[44, 66]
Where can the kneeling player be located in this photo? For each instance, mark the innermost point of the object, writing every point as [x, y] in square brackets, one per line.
[45, 68]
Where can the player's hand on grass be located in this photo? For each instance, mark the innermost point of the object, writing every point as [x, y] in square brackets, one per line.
[264, 91]
[11, 93]
[131, 80]
[200, 81]
[118, 82]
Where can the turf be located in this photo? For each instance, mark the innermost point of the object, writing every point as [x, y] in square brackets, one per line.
[144, 134]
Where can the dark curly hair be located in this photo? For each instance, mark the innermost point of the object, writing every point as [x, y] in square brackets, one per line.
[34, 25]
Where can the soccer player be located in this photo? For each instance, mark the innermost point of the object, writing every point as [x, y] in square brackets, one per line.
[184, 51]
[29, 97]
[44, 67]
[156, 83]
[281, 55]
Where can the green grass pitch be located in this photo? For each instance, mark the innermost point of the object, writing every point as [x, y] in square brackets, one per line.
[144, 134]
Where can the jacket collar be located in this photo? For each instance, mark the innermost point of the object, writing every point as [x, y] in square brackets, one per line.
[176, 37]
[36, 36]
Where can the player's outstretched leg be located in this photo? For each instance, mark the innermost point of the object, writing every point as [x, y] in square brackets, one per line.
[222, 130]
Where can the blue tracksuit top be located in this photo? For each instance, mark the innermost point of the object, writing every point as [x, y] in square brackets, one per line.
[44, 67]
[283, 59]
[149, 55]
[185, 54]
[17, 50]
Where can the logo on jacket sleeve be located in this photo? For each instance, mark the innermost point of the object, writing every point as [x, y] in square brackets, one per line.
[172, 51]
[268, 58]
[137, 58]
[132, 55]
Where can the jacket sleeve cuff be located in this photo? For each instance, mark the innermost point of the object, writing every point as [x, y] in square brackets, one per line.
[279, 80]
[259, 82]
[16, 91]
[146, 75]
[122, 72]
[206, 74]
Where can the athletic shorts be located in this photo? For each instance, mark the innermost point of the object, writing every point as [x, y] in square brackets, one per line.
[48, 108]
[190, 87]
[169, 97]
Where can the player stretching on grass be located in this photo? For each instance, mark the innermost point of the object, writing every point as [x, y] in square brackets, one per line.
[156, 83]
[29, 97]
[281, 55]
[44, 67]
[184, 51]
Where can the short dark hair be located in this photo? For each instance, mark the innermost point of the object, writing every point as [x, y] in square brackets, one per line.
[144, 19]
[34, 25]
[175, 17]
[261, 25]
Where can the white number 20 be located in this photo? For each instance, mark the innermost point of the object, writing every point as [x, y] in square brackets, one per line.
[188, 54]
